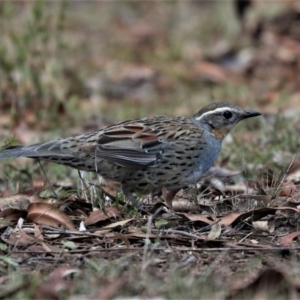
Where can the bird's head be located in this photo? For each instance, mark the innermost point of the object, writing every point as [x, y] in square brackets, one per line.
[219, 118]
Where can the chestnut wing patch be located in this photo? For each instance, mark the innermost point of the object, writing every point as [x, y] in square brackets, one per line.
[130, 146]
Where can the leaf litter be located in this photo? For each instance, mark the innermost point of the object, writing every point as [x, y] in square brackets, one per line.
[49, 227]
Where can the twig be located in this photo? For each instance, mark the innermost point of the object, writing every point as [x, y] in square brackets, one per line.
[48, 258]
[247, 235]
[207, 227]
[150, 219]
[71, 232]
[191, 235]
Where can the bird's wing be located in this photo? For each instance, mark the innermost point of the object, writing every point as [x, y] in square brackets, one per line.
[132, 145]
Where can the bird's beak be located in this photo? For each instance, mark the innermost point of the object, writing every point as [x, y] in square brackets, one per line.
[250, 114]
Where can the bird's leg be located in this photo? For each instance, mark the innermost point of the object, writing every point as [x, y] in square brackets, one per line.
[47, 179]
[168, 196]
[135, 202]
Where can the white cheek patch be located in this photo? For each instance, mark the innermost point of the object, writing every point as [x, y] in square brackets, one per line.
[212, 112]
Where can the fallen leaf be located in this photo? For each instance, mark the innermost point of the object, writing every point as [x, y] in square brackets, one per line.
[288, 189]
[63, 272]
[196, 217]
[12, 214]
[100, 215]
[17, 238]
[46, 214]
[123, 238]
[37, 248]
[288, 239]
[229, 219]
[256, 214]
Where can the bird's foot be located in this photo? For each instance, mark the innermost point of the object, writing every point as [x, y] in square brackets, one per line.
[168, 197]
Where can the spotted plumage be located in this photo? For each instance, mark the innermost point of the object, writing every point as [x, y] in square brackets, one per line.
[148, 154]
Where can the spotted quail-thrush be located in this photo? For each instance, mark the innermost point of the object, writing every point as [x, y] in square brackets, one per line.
[148, 154]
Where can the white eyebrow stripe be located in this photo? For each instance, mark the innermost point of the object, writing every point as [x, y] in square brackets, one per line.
[220, 109]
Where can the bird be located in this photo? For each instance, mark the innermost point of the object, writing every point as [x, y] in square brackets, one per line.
[145, 155]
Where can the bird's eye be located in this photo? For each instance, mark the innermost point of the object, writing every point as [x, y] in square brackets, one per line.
[227, 114]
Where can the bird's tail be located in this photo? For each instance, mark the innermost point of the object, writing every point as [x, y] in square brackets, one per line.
[50, 151]
[16, 151]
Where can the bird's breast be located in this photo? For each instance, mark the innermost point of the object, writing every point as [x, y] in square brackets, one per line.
[209, 152]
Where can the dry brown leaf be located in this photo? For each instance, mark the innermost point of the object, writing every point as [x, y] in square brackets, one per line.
[100, 215]
[109, 189]
[194, 217]
[63, 272]
[229, 219]
[36, 248]
[46, 214]
[12, 214]
[288, 239]
[123, 238]
[18, 238]
[288, 189]
[256, 214]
